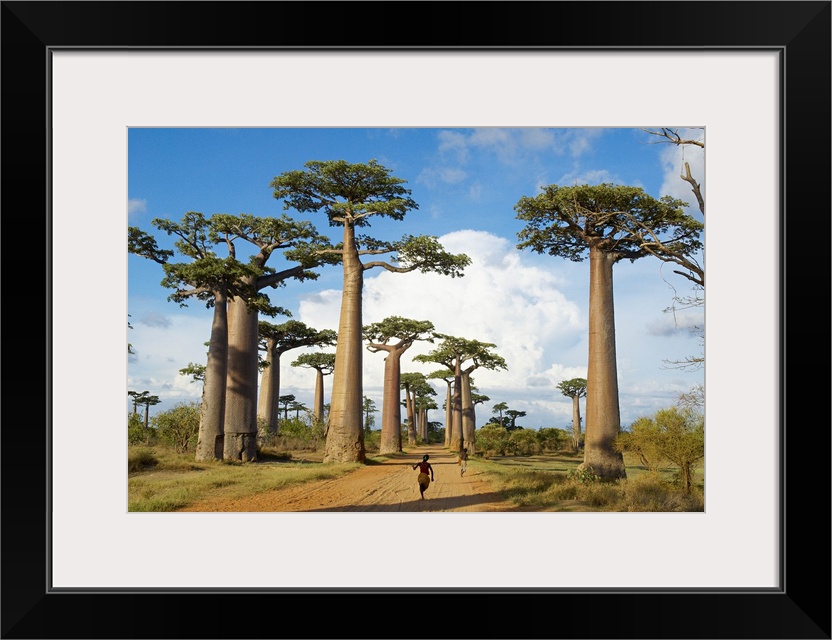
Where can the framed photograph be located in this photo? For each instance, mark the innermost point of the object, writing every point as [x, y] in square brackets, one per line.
[77, 76]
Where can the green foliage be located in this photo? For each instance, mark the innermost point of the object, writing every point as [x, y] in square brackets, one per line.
[565, 221]
[196, 371]
[344, 190]
[293, 334]
[179, 426]
[523, 442]
[426, 254]
[583, 476]
[551, 439]
[492, 440]
[573, 388]
[372, 440]
[136, 432]
[306, 433]
[322, 362]
[675, 434]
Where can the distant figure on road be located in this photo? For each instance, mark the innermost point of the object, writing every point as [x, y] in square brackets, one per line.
[463, 461]
[423, 478]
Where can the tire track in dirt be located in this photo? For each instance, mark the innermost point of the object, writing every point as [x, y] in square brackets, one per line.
[388, 486]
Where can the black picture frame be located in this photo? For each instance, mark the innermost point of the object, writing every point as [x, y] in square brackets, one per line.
[800, 31]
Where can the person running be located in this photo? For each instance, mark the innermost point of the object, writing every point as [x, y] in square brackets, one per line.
[463, 461]
[423, 478]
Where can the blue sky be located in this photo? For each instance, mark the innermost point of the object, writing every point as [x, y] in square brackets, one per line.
[466, 183]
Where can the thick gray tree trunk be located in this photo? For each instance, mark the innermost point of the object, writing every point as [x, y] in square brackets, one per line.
[240, 425]
[391, 408]
[468, 423]
[411, 417]
[318, 400]
[267, 409]
[448, 414]
[345, 433]
[456, 410]
[209, 444]
[603, 417]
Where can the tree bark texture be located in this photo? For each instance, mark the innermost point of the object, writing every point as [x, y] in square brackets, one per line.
[456, 411]
[411, 417]
[603, 417]
[267, 407]
[391, 409]
[210, 443]
[240, 424]
[345, 435]
[318, 401]
[448, 414]
[468, 423]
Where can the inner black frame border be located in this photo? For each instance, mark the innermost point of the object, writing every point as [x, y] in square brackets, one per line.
[799, 31]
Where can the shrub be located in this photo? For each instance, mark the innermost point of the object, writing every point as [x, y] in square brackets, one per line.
[553, 439]
[491, 440]
[523, 442]
[674, 434]
[136, 433]
[179, 426]
[584, 476]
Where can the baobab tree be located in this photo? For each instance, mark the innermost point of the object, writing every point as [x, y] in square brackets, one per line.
[323, 364]
[351, 195]
[285, 401]
[448, 378]
[394, 335]
[414, 385]
[499, 409]
[208, 278]
[136, 395]
[275, 340]
[144, 398]
[231, 286]
[453, 353]
[423, 404]
[513, 414]
[610, 223]
[574, 388]
[300, 244]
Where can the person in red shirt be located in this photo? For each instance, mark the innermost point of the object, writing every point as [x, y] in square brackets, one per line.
[423, 478]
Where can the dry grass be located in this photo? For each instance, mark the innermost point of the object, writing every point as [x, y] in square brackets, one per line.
[548, 483]
[161, 480]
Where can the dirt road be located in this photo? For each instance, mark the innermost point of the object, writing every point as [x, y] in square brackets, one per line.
[390, 486]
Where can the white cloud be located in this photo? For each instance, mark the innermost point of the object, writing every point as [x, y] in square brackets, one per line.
[162, 348]
[135, 207]
[533, 308]
[503, 298]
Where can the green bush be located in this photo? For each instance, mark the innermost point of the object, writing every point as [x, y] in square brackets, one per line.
[583, 476]
[523, 442]
[551, 439]
[136, 433]
[179, 426]
[491, 440]
[674, 434]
